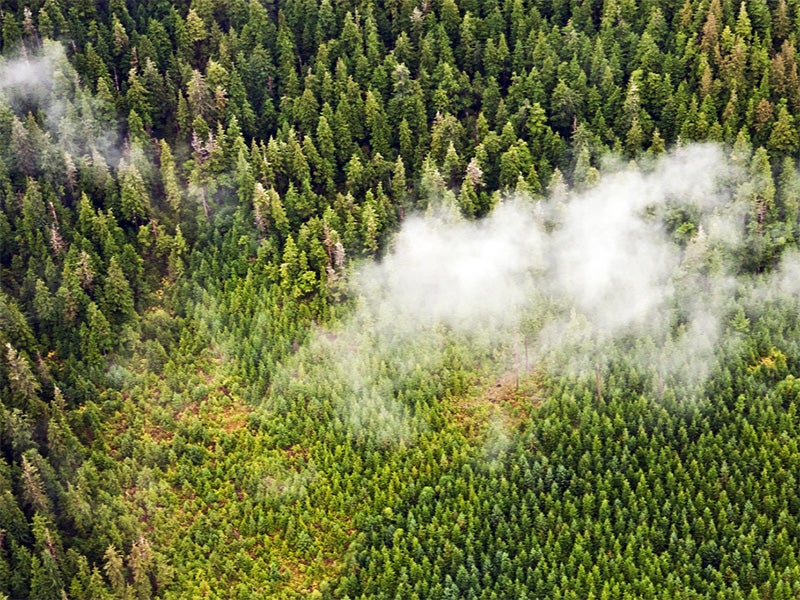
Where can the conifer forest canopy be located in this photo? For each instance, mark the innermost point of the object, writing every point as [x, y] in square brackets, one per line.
[402, 299]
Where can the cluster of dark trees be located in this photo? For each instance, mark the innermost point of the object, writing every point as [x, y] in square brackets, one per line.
[182, 187]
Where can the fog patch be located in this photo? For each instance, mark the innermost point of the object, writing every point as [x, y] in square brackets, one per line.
[641, 264]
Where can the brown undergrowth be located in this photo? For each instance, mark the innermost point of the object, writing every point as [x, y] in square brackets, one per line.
[507, 400]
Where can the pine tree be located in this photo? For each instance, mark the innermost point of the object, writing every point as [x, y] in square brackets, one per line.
[117, 294]
[169, 179]
[134, 200]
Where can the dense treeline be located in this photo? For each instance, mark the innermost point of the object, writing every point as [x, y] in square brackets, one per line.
[183, 186]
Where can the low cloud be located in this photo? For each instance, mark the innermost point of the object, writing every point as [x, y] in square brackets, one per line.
[641, 262]
[47, 86]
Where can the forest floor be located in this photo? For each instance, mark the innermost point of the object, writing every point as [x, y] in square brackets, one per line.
[505, 401]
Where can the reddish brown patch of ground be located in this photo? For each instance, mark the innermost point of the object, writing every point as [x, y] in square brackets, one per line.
[509, 399]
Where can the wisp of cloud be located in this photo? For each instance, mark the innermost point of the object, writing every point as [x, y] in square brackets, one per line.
[572, 275]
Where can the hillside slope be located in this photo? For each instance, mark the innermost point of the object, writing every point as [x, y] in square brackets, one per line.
[201, 394]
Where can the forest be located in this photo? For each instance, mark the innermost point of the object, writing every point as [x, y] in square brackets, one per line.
[399, 299]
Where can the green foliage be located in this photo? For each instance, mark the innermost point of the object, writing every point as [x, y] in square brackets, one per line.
[183, 190]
